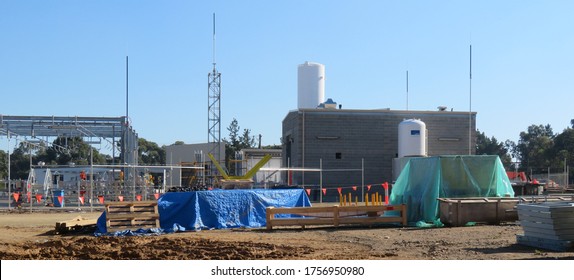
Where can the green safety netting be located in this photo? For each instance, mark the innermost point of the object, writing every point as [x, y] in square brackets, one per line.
[424, 179]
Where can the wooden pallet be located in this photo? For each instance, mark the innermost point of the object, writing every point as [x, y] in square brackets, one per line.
[335, 215]
[132, 215]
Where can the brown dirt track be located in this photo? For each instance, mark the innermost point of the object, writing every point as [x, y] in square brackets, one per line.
[30, 236]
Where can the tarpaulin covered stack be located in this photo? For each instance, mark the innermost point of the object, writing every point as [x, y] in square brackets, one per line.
[220, 209]
[425, 179]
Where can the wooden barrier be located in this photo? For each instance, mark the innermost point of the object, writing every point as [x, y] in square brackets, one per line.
[335, 215]
[132, 214]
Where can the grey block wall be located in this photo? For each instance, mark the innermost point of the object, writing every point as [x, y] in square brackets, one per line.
[344, 139]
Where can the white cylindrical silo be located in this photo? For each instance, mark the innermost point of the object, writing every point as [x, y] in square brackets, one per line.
[310, 85]
[412, 138]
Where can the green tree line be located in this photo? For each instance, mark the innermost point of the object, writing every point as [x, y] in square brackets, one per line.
[538, 148]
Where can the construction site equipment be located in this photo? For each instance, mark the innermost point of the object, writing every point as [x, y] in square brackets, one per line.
[131, 215]
[522, 184]
[244, 181]
[335, 215]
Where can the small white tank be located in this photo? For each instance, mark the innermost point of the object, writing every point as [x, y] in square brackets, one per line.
[310, 85]
[412, 138]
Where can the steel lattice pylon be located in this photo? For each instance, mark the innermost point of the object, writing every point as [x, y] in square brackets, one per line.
[214, 111]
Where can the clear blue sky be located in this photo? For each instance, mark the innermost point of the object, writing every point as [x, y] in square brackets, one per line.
[67, 58]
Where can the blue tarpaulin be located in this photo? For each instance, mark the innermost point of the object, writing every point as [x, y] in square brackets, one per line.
[219, 209]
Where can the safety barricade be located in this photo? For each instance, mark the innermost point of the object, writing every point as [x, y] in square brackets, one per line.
[336, 215]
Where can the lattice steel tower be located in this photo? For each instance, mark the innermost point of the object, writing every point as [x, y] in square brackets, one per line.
[213, 106]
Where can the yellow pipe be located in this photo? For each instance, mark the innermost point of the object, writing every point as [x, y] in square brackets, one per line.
[350, 199]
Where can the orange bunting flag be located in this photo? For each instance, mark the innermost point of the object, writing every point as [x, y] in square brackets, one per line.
[354, 188]
[60, 199]
[324, 191]
[156, 195]
[38, 198]
[308, 191]
[368, 188]
[16, 196]
[139, 197]
[81, 198]
[339, 189]
[120, 197]
[101, 199]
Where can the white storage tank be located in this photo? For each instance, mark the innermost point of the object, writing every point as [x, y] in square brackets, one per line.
[412, 138]
[310, 85]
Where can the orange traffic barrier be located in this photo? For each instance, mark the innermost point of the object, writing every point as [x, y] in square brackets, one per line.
[386, 186]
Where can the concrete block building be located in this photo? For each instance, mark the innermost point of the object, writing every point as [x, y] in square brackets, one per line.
[358, 147]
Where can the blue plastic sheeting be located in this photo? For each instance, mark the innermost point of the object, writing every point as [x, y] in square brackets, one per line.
[425, 179]
[139, 232]
[219, 209]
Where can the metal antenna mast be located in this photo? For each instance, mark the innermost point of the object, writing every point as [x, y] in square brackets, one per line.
[470, 105]
[213, 105]
[407, 90]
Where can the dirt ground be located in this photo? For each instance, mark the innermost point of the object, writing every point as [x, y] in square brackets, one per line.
[31, 236]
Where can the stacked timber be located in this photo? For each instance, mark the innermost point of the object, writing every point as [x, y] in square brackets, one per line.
[548, 225]
[77, 223]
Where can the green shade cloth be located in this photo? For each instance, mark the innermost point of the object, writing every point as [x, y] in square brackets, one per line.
[424, 179]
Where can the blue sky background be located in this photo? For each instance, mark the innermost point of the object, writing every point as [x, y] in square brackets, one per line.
[67, 58]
